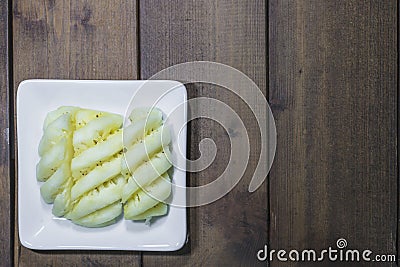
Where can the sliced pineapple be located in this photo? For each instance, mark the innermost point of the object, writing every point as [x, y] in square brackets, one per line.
[146, 158]
[95, 131]
[90, 158]
[102, 217]
[62, 202]
[143, 150]
[96, 177]
[98, 198]
[85, 174]
[57, 129]
[96, 168]
[53, 115]
[144, 113]
[83, 116]
[146, 174]
[53, 159]
[54, 185]
[56, 152]
[138, 130]
[158, 210]
[145, 199]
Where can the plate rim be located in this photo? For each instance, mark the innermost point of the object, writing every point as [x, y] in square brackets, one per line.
[22, 87]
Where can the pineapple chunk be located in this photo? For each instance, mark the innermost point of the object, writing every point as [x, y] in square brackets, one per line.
[95, 131]
[158, 210]
[62, 203]
[51, 160]
[99, 198]
[53, 185]
[145, 199]
[96, 177]
[146, 174]
[142, 151]
[139, 114]
[83, 116]
[138, 130]
[100, 217]
[59, 128]
[89, 158]
[56, 150]
[53, 115]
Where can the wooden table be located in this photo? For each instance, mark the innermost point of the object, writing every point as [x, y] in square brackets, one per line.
[328, 68]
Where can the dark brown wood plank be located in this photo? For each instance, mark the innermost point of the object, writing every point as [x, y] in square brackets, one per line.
[5, 198]
[74, 40]
[230, 231]
[333, 88]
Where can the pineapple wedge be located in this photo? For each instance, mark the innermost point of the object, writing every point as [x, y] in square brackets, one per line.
[142, 151]
[101, 152]
[100, 218]
[146, 174]
[83, 116]
[62, 203]
[96, 177]
[53, 115]
[145, 199]
[158, 210]
[99, 198]
[51, 160]
[59, 128]
[95, 131]
[139, 114]
[138, 130]
[53, 185]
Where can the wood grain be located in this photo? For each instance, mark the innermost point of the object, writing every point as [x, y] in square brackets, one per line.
[5, 198]
[333, 79]
[333, 89]
[74, 40]
[230, 231]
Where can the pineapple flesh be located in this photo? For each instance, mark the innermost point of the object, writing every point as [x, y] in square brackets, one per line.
[92, 170]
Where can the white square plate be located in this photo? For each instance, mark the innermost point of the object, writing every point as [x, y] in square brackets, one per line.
[38, 228]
